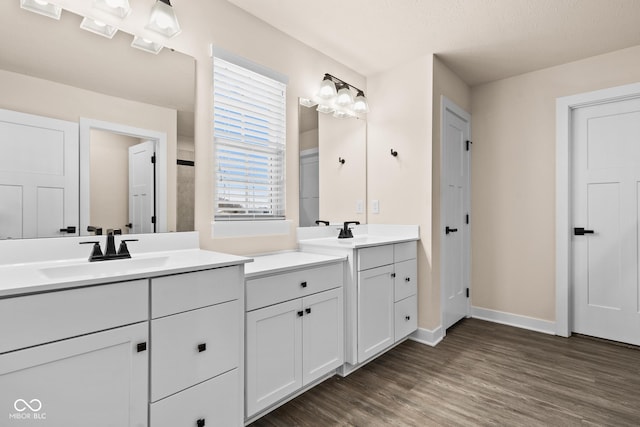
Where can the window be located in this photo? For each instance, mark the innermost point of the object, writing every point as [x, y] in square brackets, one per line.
[249, 139]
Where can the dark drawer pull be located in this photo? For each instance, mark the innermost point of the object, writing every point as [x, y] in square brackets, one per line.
[303, 284]
[202, 347]
[141, 347]
[407, 318]
[300, 313]
[200, 422]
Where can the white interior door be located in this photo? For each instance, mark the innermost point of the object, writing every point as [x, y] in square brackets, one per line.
[142, 188]
[39, 173]
[605, 206]
[309, 188]
[454, 201]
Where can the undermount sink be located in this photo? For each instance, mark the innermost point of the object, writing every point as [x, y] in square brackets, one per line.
[102, 268]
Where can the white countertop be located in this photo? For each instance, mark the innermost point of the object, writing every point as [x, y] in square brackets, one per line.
[26, 278]
[365, 235]
[277, 263]
[356, 242]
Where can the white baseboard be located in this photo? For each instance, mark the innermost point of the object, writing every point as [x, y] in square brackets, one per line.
[531, 323]
[428, 337]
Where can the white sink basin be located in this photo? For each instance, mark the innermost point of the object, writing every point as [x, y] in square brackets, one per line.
[102, 268]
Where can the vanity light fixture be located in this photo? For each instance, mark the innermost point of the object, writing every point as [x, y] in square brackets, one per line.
[98, 27]
[146, 45]
[119, 8]
[42, 7]
[163, 19]
[336, 96]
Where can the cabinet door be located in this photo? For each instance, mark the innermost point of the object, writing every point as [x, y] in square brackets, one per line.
[322, 334]
[406, 283]
[99, 379]
[375, 311]
[273, 354]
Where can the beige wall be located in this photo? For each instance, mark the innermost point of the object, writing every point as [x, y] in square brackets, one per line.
[513, 179]
[45, 98]
[400, 118]
[109, 179]
[445, 83]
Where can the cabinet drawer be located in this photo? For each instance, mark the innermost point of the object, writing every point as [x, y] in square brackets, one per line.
[406, 317]
[270, 290]
[182, 292]
[36, 319]
[178, 358]
[216, 401]
[375, 256]
[404, 251]
[405, 282]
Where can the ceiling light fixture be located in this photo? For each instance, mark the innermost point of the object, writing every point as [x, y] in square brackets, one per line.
[119, 8]
[163, 19]
[340, 102]
[146, 45]
[42, 7]
[98, 27]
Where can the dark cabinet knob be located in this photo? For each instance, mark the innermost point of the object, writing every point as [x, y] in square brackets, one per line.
[303, 284]
[407, 318]
[200, 422]
[393, 275]
[300, 313]
[202, 347]
[308, 310]
[141, 347]
[407, 279]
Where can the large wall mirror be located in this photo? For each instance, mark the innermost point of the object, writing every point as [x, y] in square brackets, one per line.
[126, 98]
[333, 172]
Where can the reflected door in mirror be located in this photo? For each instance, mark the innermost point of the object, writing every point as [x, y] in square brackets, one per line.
[38, 176]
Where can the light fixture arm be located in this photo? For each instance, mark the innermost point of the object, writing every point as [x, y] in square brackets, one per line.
[342, 82]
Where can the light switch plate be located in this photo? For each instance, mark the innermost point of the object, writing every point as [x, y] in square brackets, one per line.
[359, 206]
[375, 206]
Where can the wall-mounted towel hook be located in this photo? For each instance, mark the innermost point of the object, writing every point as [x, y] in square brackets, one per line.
[341, 160]
[394, 153]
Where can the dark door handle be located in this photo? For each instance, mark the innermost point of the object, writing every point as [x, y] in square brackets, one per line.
[448, 230]
[579, 231]
[71, 229]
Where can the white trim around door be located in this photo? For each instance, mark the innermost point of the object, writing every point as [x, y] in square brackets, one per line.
[564, 109]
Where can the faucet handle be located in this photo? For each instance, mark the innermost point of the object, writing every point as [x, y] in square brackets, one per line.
[96, 251]
[123, 250]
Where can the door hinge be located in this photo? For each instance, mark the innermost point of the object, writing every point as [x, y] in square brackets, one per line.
[466, 218]
[467, 292]
[468, 144]
[153, 159]
[153, 219]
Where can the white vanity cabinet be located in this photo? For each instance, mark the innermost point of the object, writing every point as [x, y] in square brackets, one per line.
[86, 356]
[294, 331]
[196, 330]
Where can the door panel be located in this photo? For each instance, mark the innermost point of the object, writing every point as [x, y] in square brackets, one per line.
[141, 187]
[605, 177]
[38, 176]
[455, 206]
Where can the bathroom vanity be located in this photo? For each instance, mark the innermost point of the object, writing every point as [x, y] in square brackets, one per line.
[294, 326]
[380, 288]
[154, 340]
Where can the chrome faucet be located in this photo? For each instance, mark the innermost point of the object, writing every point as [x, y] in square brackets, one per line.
[345, 233]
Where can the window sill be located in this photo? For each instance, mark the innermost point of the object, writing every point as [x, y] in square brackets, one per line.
[225, 229]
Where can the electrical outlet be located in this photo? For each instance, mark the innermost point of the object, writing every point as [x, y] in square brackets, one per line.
[375, 206]
[359, 206]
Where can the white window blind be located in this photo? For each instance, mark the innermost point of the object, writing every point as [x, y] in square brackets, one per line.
[249, 139]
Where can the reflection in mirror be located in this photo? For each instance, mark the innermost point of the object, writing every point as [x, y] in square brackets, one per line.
[331, 190]
[309, 161]
[57, 71]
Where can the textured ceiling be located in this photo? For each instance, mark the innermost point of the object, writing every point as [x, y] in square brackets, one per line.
[482, 40]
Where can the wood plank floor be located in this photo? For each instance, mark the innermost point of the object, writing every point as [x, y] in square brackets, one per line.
[482, 373]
